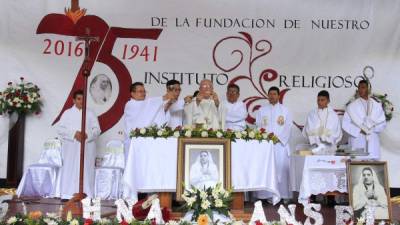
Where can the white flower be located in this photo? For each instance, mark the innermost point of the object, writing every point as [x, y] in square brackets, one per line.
[244, 133]
[215, 193]
[204, 133]
[219, 134]
[159, 133]
[226, 194]
[74, 222]
[142, 131]
[16, 100]
[52, 215]
[190, 201]
[203, 195]
[172, 222]
[252, 134]
[184, 197]
[205, 204]
[105, 221]
[218, 203]
[188, 133]
[18, 105]
[177, 134]
[49, 221]
[29, 106]
[238, 135]
[191, 191]
[265, 136]
[12, 220]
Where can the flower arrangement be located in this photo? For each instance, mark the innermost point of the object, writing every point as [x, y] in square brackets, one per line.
[22, 98]
[204, 202]
[39, 218]
[188, 132]
[387, 105]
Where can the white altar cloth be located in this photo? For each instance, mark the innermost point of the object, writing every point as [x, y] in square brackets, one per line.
[152, 163]
[318, 174]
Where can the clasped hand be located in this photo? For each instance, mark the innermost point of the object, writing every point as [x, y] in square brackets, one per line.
[78, 136]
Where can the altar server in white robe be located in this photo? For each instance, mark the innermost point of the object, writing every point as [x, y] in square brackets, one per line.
[234, 111]
[142, 112]
[364, 120]
[276, 118]
[68, 128]
[322, 128]
[205, 110]
[176, 109]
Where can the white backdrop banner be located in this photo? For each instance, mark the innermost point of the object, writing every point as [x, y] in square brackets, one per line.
[300, 47]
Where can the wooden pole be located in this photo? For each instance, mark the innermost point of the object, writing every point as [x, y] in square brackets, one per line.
[74, 205]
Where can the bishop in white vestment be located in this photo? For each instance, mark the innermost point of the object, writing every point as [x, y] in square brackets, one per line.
[276, 118]
[205, 109]
[364, 120]
[234, 111]
[68, 128]
[322, 127]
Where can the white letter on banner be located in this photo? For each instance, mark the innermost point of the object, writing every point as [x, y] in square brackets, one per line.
[310, 213]
[287, 217]
[124, 210]
[91, 208]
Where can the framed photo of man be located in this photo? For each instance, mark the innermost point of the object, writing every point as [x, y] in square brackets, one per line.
[202, 163]
[368, 185]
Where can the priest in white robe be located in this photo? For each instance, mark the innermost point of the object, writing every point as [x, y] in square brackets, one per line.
[176, 109]
[234, 111]
[364, 120]
[322, 128]
[68, 128]
[142, 112]
[276, 118]
[205, 110]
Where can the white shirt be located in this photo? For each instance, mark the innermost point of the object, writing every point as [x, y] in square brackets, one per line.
[323, 125]
[235, 115]
[176, 112]
[148, 112]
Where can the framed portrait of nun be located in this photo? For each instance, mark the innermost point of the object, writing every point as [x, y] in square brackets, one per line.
[202, 163]
[368, 187]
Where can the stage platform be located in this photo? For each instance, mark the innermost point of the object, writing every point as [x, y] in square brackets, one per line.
[109, 209]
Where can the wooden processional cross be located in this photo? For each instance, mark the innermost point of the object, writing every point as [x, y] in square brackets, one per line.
[74, 205]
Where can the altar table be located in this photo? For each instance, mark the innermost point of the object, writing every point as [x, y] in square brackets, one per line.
[152, 163]
[318, 174]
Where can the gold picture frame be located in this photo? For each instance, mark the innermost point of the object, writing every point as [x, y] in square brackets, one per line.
[367, 183]
[193, 153]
